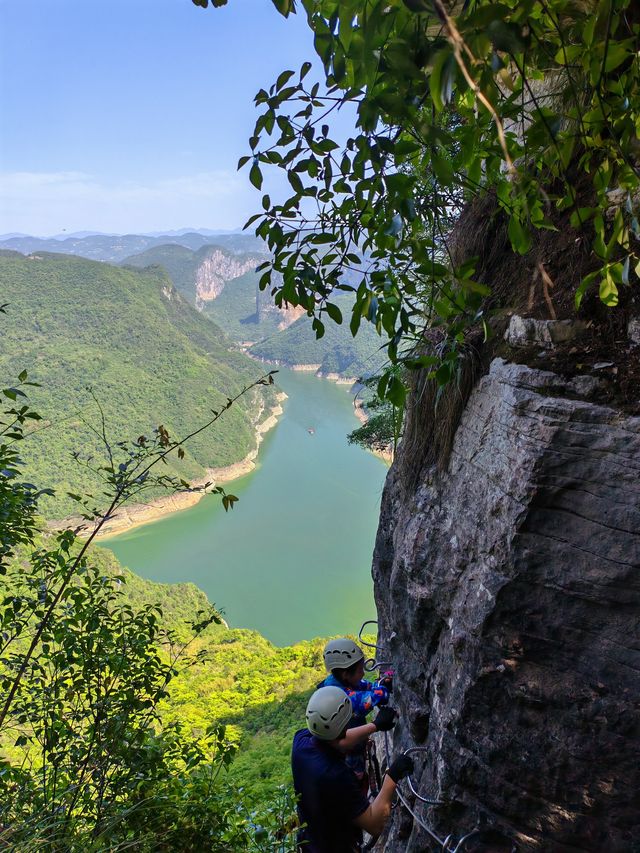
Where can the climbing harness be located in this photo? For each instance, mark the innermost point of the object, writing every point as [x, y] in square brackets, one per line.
[373, 770]
[448, 844]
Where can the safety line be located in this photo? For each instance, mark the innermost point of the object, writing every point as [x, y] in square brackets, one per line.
[404, 802]
[421, 823]
[445, 845]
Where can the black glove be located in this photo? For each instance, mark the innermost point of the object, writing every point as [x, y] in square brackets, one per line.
[385, 719]
[401, 767]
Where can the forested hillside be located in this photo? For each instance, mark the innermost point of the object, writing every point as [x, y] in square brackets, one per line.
[336, 352]
[199, 761]
[188, 272]
[243, 312]
[248, 314]
[148, 357]
[257, 690]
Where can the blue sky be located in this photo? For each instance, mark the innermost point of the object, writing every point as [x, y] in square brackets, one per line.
[130, 115]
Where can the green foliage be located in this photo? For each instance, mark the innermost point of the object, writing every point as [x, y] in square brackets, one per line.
[535, 102]
[89, 763]
[383, 427]
[336, 351]
[247, 314]
[258, 692]
[243, 311]
[153, 361]
[18, 499]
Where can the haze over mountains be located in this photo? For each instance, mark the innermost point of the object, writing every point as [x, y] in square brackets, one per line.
[116, 247]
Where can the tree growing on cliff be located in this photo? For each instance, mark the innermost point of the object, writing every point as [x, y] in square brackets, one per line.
[534, 104]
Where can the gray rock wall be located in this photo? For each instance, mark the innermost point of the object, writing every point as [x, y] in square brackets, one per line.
[508, 592]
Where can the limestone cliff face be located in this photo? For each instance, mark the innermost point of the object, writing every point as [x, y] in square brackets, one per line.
[265, 306]
[216, 270]
[508, 594]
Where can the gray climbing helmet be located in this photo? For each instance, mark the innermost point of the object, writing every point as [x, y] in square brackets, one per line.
[328, 712]
[341, 654]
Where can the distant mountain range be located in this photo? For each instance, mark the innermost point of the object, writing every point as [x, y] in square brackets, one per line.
[215, 273]
[116, 247]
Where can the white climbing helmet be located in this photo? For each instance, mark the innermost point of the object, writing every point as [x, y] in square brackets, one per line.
[341, 654]
[328, 712]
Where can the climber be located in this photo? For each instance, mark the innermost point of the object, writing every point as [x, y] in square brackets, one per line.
[332, 808]
[344, 661]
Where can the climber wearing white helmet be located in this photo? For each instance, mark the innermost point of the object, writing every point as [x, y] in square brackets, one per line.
[344, 661]
[331, 804]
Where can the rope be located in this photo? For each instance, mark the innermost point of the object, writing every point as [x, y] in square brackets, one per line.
[404, 802]
[427, 800]
[442, 843]
[372, 663]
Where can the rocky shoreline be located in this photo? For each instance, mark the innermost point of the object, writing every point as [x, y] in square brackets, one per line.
[305, 368]
[135, 515]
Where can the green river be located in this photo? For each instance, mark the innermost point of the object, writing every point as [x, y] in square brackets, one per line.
[293, 559]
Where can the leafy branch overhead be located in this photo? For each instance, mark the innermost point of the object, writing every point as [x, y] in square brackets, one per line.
[527, 100]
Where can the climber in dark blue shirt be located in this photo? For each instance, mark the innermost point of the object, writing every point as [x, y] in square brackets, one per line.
[332, 808]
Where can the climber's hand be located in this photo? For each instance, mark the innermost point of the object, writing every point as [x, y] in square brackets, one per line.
[385, 719]
[401, 767]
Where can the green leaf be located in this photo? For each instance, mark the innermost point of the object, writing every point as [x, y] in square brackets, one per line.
[334, 312]
[255, 176]
[396, 392]
[520, 239]
[443, 373]
[617, 53]
[506, 36]
[285, 7]
[442, 78]
[282, 79]
[608, 291]
[356, 318]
